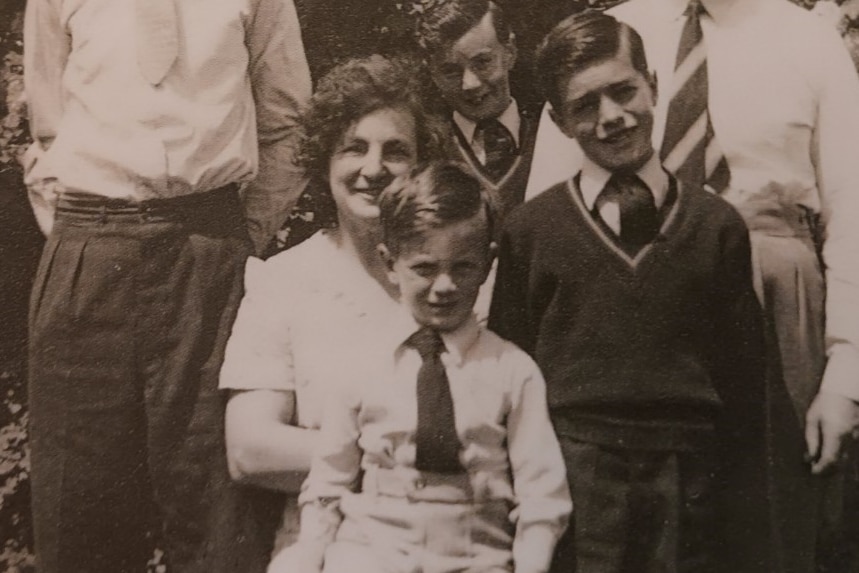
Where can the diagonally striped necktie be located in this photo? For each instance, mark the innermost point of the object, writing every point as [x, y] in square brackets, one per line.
[689, 149]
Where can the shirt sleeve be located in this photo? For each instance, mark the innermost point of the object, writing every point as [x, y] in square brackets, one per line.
[836, 139]
[738, 364]
[281, 86]
[539, 473]
[259, 353]
[46, 51]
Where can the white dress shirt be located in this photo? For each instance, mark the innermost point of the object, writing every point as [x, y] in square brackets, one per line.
[226, 112]
[509, 119]
[594, 178]
[501, 415]
[784, 103]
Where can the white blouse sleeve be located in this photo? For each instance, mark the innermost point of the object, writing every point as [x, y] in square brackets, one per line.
[259, 351]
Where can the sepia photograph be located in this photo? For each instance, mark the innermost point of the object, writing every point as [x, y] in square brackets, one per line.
[429, 286]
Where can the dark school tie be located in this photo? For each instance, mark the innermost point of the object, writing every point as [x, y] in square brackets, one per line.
[639, 218]
[500, 148]
[690, 149]
[435, 440]
[157, 38]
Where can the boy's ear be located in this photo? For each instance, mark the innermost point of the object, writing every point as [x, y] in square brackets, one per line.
[493, 251]
[512, 52]
[388, 259]
[490, 257]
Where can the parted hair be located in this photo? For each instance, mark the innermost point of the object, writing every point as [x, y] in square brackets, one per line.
[446, 22]
[582, 40]
[354, 89]
[435, 195]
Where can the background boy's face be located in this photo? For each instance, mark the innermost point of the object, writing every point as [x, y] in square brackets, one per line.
[608, 108]
[473, 72]
[439, 273]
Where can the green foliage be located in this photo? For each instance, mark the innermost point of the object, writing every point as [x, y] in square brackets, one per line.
[14, 136]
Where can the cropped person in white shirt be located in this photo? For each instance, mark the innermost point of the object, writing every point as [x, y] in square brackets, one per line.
[147, 117]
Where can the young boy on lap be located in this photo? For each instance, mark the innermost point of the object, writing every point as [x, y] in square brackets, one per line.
[633, 292]
[442, 458]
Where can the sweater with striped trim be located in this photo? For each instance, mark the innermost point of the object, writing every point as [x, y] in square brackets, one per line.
[644, 352]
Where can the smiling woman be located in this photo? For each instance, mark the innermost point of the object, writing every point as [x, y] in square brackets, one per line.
[363, 132]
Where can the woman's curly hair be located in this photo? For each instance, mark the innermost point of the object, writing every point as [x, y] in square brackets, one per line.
[359, 87]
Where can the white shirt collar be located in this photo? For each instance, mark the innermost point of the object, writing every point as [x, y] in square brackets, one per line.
[593, 179]
[509, 118]
[457, 342]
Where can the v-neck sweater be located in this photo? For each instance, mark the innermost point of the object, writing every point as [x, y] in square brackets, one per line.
[510, 188]
[637, 352]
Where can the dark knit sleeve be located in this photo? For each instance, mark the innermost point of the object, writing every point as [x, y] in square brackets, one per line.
[508, 314]
[738, 368]
[738, 372]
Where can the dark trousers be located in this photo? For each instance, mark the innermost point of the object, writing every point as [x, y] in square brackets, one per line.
[130, 313]
[637, 511]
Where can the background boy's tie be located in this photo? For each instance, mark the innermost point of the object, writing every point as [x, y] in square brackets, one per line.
[436, 440]
[639, 219]
[500, 148]
[157, 38]
[689, 147]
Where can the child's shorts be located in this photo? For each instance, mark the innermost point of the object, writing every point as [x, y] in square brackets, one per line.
[430, 524]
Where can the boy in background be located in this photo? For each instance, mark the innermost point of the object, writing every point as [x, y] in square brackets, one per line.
[470, 51]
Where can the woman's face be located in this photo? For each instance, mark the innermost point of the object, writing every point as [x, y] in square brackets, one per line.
[376, 151]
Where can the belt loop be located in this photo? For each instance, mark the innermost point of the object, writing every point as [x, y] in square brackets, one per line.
[102, 214]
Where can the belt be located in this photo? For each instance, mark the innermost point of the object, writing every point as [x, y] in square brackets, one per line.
[770, 216]
[80, 203]
[416, 485]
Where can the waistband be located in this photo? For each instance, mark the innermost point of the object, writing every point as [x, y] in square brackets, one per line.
[415, 485]
[770, 216]
[87, 205]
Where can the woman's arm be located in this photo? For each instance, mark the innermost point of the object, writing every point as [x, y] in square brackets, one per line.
[263, 448]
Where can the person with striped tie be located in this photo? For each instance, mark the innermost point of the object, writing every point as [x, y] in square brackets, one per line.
[760, 101]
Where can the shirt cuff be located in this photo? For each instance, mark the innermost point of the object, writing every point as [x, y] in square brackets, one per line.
[534, 548]
[841, 376]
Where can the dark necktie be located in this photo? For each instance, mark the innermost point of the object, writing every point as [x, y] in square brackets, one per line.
[435, 440]
[639, 219]
[499, 146]
[689, 147]
[157, 38]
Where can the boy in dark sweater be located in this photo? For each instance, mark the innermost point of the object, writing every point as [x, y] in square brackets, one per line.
[633, 292]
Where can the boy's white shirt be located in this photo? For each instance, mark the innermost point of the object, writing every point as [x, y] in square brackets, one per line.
[494, 385]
